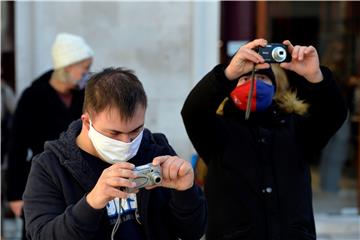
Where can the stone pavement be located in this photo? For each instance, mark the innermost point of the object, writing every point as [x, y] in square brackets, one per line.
[337, 227]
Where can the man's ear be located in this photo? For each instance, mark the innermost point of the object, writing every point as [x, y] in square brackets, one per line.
[85, 118]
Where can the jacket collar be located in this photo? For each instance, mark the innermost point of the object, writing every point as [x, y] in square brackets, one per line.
[273, 115]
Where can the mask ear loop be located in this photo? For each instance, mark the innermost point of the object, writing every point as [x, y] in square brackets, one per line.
[248, 105]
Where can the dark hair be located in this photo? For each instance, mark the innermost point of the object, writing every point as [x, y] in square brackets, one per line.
[114, 87]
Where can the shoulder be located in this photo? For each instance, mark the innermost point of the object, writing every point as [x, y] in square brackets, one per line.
[46, 160]
[41, 83]
[160, 138]
[157, 142]
[43, 79]
[38, 88]
[155, 138]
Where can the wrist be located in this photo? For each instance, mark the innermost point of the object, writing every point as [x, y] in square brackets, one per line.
[229, 73]
[315, 77]
[184, 188]
[92, 203]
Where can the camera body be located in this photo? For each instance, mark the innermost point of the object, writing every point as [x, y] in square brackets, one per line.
[275, 53]
[147, 175]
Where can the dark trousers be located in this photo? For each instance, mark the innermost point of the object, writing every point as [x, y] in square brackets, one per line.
[23, 230]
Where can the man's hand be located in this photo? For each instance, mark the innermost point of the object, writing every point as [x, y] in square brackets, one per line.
[245, 58]
[305, 62]
[16, 207]
[109, 184]
[177, 173]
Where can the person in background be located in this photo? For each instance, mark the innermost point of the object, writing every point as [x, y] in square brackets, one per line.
[338, 150]
[77, 187]
[8, 104]
[258, 184]
[45, 109]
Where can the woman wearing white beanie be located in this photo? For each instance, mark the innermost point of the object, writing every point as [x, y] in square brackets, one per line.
[45, 109]
[72, 58]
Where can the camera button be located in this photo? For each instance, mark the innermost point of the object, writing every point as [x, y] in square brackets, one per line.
[262, 140]
[267, 190]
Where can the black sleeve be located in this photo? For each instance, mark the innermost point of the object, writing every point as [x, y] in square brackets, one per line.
[47, 216]
[189, 212]
[188, 209]
[327, 110]
[204, 127]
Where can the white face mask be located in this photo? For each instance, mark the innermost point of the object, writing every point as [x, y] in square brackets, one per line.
[111, 150]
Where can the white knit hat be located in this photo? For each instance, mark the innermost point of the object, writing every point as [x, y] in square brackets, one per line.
[68, 49]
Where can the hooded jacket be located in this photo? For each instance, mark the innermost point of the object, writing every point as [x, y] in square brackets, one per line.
[56, 208]
[258, 184]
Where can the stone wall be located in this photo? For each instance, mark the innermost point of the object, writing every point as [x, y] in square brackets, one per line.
[169, 45]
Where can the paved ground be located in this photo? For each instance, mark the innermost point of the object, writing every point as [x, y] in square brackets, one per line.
[338, 227]
[336, 215]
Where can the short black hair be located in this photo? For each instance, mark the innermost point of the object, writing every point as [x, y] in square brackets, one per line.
[114, 87]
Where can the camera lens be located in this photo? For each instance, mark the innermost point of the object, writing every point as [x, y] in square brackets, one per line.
[155, 177]
[157, 180]
[279, 54]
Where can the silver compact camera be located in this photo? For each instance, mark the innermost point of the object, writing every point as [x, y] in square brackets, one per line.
[147, 175]
[275, 53]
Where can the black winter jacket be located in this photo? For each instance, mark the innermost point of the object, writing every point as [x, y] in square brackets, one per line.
[258, 184]
[40, 115]
[55, 206]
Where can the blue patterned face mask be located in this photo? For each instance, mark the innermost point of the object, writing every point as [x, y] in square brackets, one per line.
[261, 98]
[83, 81]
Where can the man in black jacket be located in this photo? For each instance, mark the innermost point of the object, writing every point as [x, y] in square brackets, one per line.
[77, 187]
[258, 184]
[45, 109]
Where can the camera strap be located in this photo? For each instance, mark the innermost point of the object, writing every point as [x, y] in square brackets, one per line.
[251, 92]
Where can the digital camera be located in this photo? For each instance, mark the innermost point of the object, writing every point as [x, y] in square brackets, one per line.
[275, 53]
[147, 175]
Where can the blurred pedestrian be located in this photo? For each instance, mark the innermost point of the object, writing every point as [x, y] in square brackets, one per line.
[338, 150]
[258, 184]
[8, 104]
[45, 109]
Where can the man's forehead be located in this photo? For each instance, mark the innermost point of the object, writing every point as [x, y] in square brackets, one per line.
[112, 120]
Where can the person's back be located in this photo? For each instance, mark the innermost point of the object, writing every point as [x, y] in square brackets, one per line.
[45, 109]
